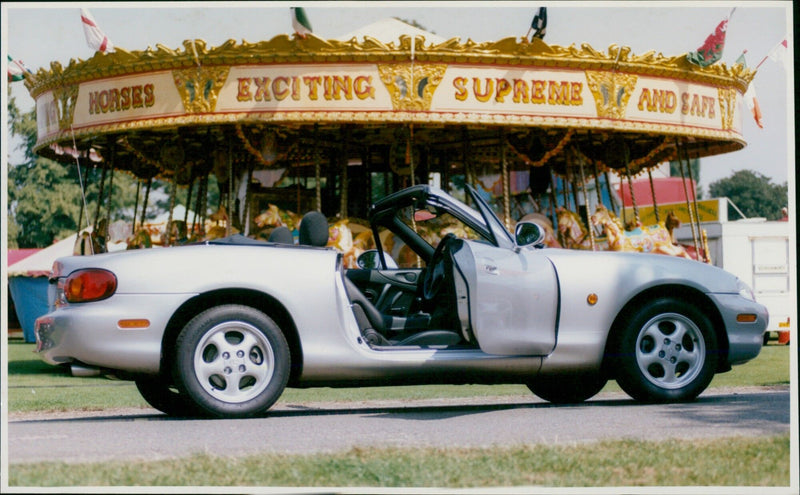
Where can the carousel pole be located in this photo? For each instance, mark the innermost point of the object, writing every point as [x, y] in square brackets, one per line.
[653, 194]
[410, 145]
[343, 179]
[189, 192]
[506, 181]
[228, 226]
[136, 205]
[173, 194]
[146, 198]
[686, 194]
[100, 194]
[586, 201]
[203, 199]
[317, 186]
[553, 200]
[466, 153]
[109, 197]
[700, 232]
[610, 196]
[630, 187]
[248, 199]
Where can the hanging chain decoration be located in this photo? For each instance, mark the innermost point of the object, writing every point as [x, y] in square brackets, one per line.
[125, 144]
[548, 155]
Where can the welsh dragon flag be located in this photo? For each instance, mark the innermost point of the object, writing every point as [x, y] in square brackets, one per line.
[711, 51]
[300, 22]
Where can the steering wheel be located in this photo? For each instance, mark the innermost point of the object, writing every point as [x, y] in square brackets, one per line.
[436, 272]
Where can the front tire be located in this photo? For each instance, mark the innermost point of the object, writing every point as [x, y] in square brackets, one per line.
[568, 389]
[167, 399]
[233, 361]
[666, 352]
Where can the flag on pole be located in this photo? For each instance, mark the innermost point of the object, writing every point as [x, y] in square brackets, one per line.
[17, 70]
[778, 54]
[539, 23]
[95, 37]
[711, 50]
[300, 22]
[750, 98]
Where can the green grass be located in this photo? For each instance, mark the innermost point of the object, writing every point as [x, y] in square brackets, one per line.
[758, 462]
[36, 386]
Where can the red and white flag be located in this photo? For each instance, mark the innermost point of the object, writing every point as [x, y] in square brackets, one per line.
[778, 54]
[751, 101]
[95, 37]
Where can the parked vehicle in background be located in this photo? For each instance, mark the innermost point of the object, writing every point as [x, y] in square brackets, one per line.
[758, 252]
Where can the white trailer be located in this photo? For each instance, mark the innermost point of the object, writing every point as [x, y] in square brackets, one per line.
[761, 253]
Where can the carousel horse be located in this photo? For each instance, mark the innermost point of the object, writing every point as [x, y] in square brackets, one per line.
[140, 240]
[651, 239]
[572, 230]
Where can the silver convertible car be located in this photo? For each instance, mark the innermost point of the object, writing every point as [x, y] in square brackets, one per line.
[221, 328]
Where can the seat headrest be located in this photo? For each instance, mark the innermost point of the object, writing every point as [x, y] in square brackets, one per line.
[314, 229]
[281, 235]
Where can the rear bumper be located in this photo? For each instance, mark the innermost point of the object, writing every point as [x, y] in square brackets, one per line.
[91, 334]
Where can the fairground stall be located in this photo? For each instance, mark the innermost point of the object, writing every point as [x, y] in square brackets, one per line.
[295, 124]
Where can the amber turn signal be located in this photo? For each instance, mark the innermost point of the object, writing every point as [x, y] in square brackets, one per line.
[746, 318]
[133, 324]
[591, 299]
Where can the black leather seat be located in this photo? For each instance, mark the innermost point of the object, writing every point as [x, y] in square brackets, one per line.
[313, 229]
[384, 330]
[281, 235]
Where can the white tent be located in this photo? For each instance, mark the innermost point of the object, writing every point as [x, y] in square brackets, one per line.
[40, 263]
[390, 30]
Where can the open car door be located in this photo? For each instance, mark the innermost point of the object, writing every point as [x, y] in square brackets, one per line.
[515, 306]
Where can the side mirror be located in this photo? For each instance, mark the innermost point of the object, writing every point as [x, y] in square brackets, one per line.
[371, 260]
[529, 234]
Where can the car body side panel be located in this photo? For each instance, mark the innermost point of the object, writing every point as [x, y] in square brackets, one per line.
[616, 278]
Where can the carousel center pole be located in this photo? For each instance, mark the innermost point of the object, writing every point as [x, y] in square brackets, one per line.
[136, 205]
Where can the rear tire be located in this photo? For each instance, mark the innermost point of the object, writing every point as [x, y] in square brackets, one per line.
[568, 389]
[666, 352]
[233, 361]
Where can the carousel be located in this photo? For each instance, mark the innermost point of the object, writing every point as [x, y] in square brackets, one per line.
[295, 124]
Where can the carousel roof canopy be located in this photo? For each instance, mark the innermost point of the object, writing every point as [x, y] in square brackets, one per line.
[383, 94]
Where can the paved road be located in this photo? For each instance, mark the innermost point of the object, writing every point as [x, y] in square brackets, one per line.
[308, 428]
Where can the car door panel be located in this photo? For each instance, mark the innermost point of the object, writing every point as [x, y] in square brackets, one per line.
[515, 304]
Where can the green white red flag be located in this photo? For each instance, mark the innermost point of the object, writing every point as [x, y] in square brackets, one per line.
[95, 37]
[711, 51]
[300, 22]
[16, 70]
[750, 98]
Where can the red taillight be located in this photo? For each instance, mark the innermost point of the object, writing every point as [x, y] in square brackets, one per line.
[89, 285]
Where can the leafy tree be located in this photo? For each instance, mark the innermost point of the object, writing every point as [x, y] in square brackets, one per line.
[753, 193]
[44, 196]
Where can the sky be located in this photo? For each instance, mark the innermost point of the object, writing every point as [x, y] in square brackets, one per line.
[40, 33]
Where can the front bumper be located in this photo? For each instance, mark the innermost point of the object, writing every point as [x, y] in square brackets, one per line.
[745, 339]
[90, 333]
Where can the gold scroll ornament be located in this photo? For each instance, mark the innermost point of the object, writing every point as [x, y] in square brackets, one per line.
[199, 87]
[727, 106]
[611, 91]
[65, 97]
[411, 90]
